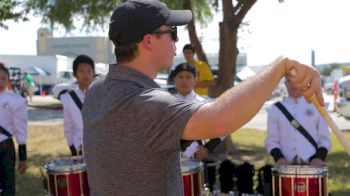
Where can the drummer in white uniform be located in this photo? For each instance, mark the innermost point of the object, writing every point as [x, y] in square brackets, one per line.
[185, 79]
[13, 122]
[286, 143]
[72, 101]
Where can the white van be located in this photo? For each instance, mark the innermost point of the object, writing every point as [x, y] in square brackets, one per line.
[343, 102]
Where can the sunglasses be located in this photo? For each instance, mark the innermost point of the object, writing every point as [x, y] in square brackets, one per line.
[172, 31]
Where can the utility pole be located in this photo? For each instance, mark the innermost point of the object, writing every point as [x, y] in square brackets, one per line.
[313, 58]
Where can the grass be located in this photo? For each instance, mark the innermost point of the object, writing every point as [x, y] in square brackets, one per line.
[47, 142]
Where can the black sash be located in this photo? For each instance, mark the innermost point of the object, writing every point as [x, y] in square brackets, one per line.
[211, 144]
[76, 99]
[296, 124]
[4, 132]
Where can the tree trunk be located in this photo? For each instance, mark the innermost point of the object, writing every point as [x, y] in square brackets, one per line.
[228, 50]
[192, 32]
[232, 18]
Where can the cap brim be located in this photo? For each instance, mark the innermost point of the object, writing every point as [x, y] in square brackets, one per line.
[179, 17]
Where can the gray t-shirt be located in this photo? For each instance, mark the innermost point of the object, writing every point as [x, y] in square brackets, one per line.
[132, 132]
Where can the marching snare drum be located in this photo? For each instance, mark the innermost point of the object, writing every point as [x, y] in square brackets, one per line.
[299, 180]
[192, 177]
[67, 177]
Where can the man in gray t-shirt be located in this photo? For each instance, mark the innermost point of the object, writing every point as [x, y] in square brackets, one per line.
[133, 134]
[132, 128]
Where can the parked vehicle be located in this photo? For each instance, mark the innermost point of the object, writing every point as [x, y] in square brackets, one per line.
[61, 88]
[328, 88]
[162, 81]
[343, 102]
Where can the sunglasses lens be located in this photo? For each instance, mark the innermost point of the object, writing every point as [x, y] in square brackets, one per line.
[172, 31]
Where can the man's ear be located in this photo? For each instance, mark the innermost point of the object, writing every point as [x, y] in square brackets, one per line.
[147, 41]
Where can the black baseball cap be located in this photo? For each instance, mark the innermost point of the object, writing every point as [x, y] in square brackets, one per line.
[184, 67]
[133, 19]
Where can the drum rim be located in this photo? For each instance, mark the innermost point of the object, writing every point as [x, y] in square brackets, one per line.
[187, 173]
[308, 176]
[192, 167]
[65, 173]
[79, 165]
[299, 170]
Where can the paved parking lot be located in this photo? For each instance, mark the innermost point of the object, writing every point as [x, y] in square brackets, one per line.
[44, 115]
[38, 113]
[260, 119]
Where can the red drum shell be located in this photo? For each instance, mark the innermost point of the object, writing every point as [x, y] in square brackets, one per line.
[67, 177]
[299, 180]
[192, 177]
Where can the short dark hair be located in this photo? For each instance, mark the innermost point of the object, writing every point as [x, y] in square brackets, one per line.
[184, 67]
[126, 53]
[4, 69]
[188, 47]
[82, 59]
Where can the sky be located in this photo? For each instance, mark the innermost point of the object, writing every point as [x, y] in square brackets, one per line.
[293, 29]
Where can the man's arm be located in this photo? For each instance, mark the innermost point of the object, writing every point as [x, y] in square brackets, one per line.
[272, 141]
[20, 122]
[68, 123]
[238, 105]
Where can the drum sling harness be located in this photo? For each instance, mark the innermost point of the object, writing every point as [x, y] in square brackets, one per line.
[296, 124]
[76, 99]
[4, 132]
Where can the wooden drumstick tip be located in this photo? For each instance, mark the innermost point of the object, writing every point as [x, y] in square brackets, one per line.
[43, 173]
[320, 108]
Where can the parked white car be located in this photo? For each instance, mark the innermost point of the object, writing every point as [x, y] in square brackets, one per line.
[61, 88]
[343, 102]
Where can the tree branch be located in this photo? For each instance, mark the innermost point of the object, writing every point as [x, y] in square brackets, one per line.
[235, 8]
[247, 5]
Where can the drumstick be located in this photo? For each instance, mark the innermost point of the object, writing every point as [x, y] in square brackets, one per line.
[43, 174]
[339, 134]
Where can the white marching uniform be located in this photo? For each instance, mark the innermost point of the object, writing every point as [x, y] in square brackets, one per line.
[13, 116]
[72, 118]
[282, 135]
[194, 98]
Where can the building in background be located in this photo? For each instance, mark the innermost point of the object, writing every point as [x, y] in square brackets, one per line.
[101, 49]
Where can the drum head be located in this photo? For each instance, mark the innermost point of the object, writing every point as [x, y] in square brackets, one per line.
[190, 166]
[65, 165]
[299, 170]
